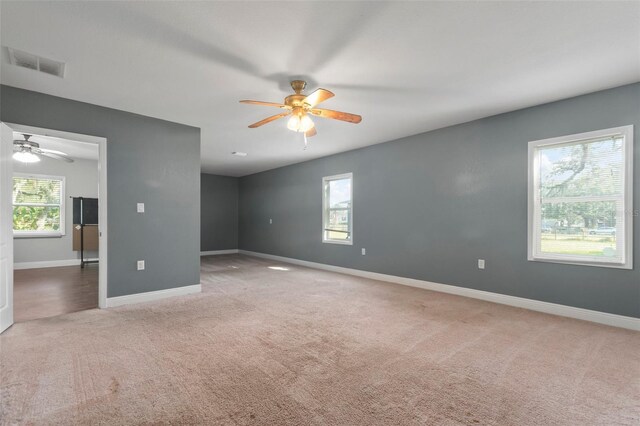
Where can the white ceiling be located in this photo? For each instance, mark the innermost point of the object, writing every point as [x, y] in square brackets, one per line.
[74, 149]
[406, 67]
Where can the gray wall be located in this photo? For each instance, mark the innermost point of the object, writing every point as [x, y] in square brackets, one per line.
[81, 180]
[428, 206]
[218, 212]
[149, 160]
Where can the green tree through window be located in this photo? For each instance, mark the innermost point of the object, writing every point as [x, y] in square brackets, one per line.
[37, 204]
[580, 197]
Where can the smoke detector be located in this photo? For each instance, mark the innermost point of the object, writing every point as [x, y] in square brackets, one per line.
[23, 59]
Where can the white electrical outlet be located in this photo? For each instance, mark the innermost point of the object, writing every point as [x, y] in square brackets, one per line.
[140, 265]
[480, 263]
[140, 207]
[364, 251]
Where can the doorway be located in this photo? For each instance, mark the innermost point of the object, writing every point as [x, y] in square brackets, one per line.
[58, 252]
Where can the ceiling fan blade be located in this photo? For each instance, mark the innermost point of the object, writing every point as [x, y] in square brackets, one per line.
[336, 115]
[319, 95]
[52, 151]
[55, 156]
[271, 104]
[269, 119]
[311, 132]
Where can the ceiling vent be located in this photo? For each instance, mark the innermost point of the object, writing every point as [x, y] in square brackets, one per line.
[35, 62]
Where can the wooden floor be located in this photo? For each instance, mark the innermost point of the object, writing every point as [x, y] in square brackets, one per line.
[47, 292]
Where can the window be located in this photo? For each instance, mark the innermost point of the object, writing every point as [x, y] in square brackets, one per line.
[337, 209]
[580, 198]
[38, 206]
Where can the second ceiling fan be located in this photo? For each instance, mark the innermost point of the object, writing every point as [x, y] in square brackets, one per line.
[27, 151]
[300, 106]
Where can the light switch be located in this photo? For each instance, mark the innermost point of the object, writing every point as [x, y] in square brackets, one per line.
[140, 207]
[140, 265]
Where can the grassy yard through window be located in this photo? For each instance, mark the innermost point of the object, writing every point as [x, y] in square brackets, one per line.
[591, 245]
[338, 235]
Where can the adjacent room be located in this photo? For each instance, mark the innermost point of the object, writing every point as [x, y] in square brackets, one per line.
[319, 213]
[55, 226]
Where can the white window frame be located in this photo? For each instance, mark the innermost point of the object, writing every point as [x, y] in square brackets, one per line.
[325, 209]
[44, 234]
[625, 216]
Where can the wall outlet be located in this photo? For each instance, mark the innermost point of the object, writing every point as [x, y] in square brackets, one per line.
[140, 208]
[140, 265]
[364, 251]
[270, 221]
[480, 263]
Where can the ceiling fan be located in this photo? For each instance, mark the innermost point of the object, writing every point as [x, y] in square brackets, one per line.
[27, 151]
[300, 106]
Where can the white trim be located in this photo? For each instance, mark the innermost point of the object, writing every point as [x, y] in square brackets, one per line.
[27, 235]
[325, 209]
[48, 264]
[519, 302]
[102, 191]
[6, 228]
[103, 223]
[216, 252]
[625, 220]
[152, 295]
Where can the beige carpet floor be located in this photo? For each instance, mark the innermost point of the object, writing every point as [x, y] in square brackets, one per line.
[298, 346]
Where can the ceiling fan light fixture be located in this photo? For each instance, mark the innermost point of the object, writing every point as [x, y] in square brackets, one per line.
[293, 123]
[300, 123]
[306, 123]
[27, 151]
[299, 107]
[25, 157]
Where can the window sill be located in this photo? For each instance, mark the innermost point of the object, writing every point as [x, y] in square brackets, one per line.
[339, 242]
[578, 262]
[39, 235]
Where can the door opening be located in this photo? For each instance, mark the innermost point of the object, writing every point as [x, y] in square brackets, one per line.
[54, 248]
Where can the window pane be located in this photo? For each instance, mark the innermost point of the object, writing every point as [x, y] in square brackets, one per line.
[30, 218]
[340, 193]
[337, 215]
[582, 229]
[338, 225]
[36, 191]
[589, 168]
[578, 206]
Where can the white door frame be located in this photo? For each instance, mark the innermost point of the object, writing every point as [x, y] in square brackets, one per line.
[6, 230]
[102, 194]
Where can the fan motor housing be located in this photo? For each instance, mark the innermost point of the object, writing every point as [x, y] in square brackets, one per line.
[294, 100]
[26, 143]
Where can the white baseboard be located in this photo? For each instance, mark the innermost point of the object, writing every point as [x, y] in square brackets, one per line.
[519, 302]
[152, 295]
[215, 252]
[48, 264]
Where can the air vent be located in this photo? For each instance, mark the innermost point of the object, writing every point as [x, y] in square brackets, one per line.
[35, 62]
[23, 59]
[51, 67]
